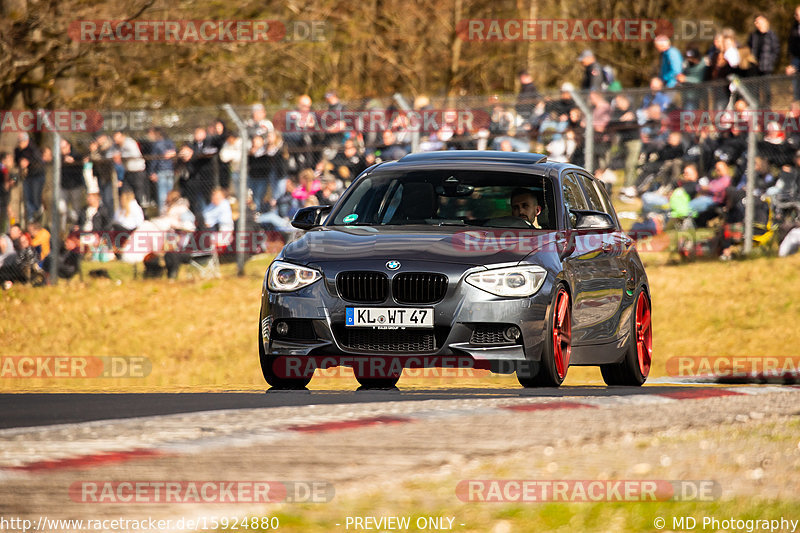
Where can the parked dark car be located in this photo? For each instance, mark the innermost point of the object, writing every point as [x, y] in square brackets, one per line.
[504, 259]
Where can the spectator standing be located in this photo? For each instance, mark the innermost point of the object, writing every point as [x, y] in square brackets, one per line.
[258, 123]
[201, 153]
[101, 155]
[671, 61]
[73, 186]
[258, 171]
[592, 72]
[766, 50]
[135, 166]
[161, 167]
[231, 154]
[302, 133]
[694, 71]
[728, 57]
[794, 53]
[7, 181]
[334, 126]
[625, 125]
[528, 95]
[764, 45]
[28, 158]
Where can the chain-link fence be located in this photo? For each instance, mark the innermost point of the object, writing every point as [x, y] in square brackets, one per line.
[249, 168]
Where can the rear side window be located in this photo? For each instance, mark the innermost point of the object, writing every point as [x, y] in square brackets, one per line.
[591, 194]
[573, 197]
[596, 193]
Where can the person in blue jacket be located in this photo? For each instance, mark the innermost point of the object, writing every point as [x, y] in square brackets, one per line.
[671, 61]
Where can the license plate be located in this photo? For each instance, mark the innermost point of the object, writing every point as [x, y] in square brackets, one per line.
[388, 317]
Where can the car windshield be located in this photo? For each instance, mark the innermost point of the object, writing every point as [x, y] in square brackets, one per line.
[449, 197]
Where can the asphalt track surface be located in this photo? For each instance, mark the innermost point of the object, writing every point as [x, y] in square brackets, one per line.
[30, 410]
[743, 438]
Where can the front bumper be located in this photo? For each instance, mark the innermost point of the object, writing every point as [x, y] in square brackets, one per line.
[319, 312]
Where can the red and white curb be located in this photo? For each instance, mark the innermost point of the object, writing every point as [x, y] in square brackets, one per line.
[30, 451]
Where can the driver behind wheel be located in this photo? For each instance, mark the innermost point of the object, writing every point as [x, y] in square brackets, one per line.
[527, 205]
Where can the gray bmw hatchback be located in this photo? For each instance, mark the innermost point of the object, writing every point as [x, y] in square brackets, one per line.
[496, 260]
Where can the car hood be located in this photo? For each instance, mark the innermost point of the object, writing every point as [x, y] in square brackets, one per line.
[469, 246]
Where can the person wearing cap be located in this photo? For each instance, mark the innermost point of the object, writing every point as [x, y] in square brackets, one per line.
[694, 71]
[671, 61]
[564, 103]
[592, 73]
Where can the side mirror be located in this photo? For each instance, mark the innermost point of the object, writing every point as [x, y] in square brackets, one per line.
[593, 220]
[310, 217]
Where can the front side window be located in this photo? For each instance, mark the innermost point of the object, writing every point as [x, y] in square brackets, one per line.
[573, 197]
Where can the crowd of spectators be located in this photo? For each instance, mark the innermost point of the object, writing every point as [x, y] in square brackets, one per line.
[120, 181]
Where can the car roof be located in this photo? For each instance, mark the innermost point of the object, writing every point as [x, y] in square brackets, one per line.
[472, 155]
[506, 161]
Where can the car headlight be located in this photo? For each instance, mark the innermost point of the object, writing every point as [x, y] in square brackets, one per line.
[517, 281]
[285, 277]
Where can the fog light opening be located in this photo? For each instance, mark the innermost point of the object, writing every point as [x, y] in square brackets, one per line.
[282, 328]
[512, 334]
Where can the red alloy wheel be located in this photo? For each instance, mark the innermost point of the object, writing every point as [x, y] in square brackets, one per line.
[562, 332]
[644, 334]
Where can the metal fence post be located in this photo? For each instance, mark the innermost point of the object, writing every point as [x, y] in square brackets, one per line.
[403, 104]
[241, 238]
[749, 206]
[588, 135]
[55, 222]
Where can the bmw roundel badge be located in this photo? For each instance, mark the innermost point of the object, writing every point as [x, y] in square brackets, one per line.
[393, 265]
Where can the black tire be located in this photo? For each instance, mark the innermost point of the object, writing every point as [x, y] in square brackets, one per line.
[268, 370]
[557, 347]
[635, 367]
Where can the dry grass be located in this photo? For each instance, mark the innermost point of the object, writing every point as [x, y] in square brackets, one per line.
[201, 335]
